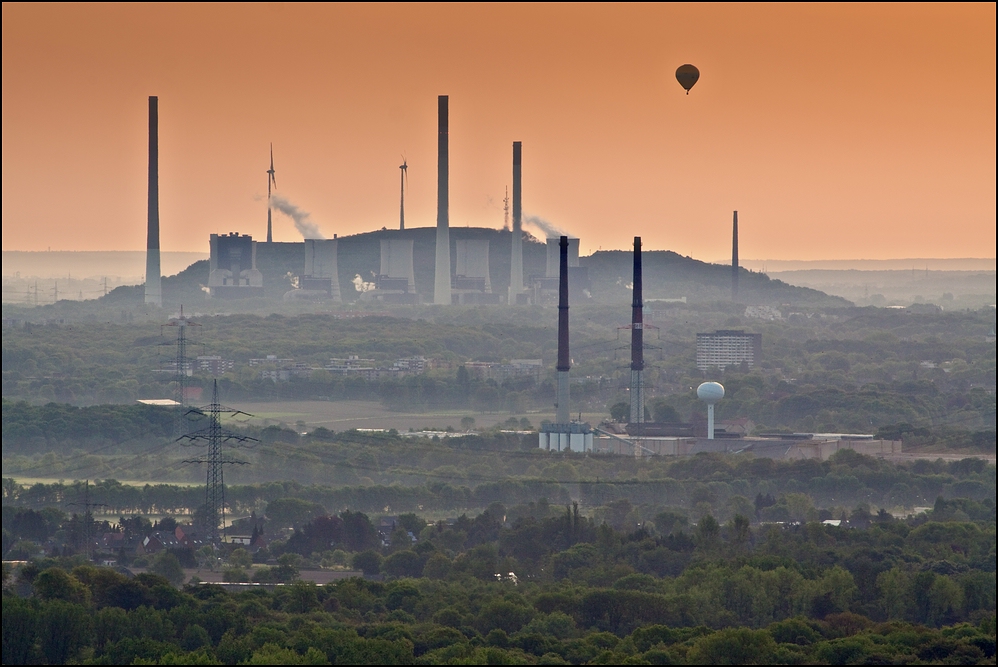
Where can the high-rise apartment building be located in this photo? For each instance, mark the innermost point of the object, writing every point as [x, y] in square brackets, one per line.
[727, 347]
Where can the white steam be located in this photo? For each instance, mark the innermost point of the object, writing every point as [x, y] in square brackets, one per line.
[360, 285]
[549, 229]
[303, 223]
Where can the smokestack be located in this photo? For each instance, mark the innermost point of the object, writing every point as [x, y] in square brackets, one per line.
[154, 282]
[637, 342]
[564, 358]
[516, 262]
[441, 282]
[734, 258]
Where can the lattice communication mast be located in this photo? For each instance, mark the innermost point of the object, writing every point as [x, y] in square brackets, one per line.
[213, 512]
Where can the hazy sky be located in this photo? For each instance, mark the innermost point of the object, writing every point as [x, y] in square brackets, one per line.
[837, 131]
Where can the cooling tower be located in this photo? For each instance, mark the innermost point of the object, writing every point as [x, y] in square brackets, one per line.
[473, 262]
[154, 281]
[396, 265]
[553, 254]
[321, 269]
[441, 278]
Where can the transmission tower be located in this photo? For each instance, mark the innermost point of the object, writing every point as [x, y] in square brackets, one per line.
[88, 519]
[184, 370]
[215, 436]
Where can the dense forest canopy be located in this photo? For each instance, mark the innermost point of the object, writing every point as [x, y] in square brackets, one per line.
[543, 586]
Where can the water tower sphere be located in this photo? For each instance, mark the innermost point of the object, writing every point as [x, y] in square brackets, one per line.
[710, 392]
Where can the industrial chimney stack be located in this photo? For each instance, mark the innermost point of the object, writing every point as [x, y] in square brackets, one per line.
[516, 261]
[441, 282]
[637, 342]
[734, 258]
[154, 282]
[564, 358]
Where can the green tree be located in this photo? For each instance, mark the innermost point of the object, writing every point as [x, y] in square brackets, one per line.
[57, 584]
[63, 629]
[733, 646]
[20, 627]
[240, 557]
[369, 562]
[166, 565]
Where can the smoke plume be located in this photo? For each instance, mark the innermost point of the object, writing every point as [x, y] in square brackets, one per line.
[303, 223]
[550, 231]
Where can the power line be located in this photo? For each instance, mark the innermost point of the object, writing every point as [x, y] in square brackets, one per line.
[214, 495]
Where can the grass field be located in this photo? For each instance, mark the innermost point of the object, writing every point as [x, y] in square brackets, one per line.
[345, 415]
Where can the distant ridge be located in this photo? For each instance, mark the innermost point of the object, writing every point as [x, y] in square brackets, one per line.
[125, 264]
[933, 264]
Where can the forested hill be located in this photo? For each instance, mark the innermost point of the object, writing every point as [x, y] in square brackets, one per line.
[666, 274]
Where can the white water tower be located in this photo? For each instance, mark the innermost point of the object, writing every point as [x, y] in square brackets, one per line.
[710, 393]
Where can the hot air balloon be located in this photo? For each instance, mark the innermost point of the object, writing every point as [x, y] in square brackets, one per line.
[687, 76]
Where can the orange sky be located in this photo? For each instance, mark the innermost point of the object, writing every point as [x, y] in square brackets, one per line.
[837, 131]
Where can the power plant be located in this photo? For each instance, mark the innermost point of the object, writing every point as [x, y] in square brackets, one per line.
[154, 281]
[466, 266]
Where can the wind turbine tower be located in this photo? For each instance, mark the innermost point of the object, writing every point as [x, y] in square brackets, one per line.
[271, 180]
[403, 179]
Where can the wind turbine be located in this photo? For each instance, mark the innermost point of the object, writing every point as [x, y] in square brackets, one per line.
[271, 180]
[403, 180]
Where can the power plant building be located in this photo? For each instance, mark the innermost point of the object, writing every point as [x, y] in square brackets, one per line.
[233, 267]
[728, 348]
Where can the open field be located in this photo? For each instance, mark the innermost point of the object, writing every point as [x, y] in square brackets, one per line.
[345, 415]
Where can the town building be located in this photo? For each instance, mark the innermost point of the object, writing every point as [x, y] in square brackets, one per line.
[727, 347]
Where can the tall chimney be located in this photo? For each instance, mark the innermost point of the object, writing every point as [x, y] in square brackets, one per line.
[154, 282]
[734, 258]
[564, 358]
[637, 342]
[441, 282]
[516, 261]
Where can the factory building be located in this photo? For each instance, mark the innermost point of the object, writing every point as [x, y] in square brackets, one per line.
[728, 348]
[233, 267]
